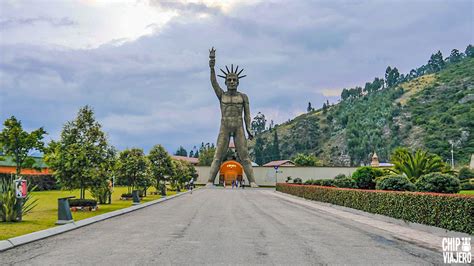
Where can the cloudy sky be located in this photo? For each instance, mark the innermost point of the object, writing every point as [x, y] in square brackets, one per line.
[143, 65]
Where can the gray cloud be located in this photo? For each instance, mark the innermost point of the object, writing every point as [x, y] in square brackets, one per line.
[54, 22]
[156, 89]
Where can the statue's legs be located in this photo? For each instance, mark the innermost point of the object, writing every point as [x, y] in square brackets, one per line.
[221, 150]
[242, 151]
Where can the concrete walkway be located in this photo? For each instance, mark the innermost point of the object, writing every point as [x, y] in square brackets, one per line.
[228, 226]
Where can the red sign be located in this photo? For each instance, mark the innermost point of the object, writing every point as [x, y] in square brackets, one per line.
[21, 188]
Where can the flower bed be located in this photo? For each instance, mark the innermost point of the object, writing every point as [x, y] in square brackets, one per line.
[449, 211]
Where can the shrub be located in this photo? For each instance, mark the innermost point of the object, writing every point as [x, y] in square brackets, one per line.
[438, 182]
[345, 183]
[82, 203]
[320, 182]
[101, 193]
[327, 182]
[465, 173]
[467, 184]
[297, 181]
[452, 212]
[129, 195]
[340, 176]
[10, 209]
[365, 177]
[395, 182]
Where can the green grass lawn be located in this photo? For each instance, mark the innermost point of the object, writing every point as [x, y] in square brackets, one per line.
[45, 214]
[467, 192]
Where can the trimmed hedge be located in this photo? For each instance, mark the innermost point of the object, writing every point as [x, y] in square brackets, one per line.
[82, 203]
[449, 211]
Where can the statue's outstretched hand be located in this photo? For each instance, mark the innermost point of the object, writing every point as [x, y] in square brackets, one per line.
[212, 57]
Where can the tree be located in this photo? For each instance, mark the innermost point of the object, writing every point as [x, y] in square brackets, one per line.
[276, 147]
[161, 166]
[259, 123]
[455, 56]
[17, 143]
[436, 62]
[206, 154]
[415, 164]
[181, 152]
[100, 188]
[391, 76]
[259, 150]
[191, 154]
[180, 174]
[469, 51]
[77, 158]
[344, 94]
[302, 159]
[131, 168]
[310, 108]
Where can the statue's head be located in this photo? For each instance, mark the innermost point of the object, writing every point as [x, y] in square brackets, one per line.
[232, 77]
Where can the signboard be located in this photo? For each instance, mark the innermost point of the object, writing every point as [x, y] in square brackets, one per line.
[21, 188]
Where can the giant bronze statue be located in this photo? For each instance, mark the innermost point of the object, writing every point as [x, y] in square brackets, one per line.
[233, 103]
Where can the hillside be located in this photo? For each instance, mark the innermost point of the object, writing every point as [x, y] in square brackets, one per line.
[427, 110]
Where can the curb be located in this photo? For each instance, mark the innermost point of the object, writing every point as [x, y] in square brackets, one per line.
[419, 234]
[31, 237]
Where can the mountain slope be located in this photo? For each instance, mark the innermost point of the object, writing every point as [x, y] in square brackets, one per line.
[426, 112]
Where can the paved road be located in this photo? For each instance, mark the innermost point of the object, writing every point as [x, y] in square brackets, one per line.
[223, 226]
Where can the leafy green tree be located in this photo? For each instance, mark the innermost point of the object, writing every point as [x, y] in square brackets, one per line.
[181, 152]
[101, 186]
[78, 157]
[258, 150]
[206, 154]
[161, 166]
[415, 164]
[302, 159]
[276, 147]
[455, 56]
[436, 62]
[391, 76]
[181, 174]
[17, 143]
[469, 51]
[132, 168]
[259, 123]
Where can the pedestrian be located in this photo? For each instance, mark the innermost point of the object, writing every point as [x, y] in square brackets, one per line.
[233, 183]
[242, 183]
[191, 185]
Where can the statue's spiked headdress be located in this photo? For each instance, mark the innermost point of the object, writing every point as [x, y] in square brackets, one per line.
[231, 71]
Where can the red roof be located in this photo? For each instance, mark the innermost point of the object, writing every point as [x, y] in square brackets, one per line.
[190, 160]
[280, 163]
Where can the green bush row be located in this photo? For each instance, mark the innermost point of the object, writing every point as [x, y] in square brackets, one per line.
[452, 212]
[82, 203]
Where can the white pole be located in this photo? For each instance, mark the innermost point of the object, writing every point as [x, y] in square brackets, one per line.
[452, 155]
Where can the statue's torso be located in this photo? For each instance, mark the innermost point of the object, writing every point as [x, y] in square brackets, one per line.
[232, 106]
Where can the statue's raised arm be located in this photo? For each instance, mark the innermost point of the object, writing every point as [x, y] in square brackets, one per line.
[212, 63]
